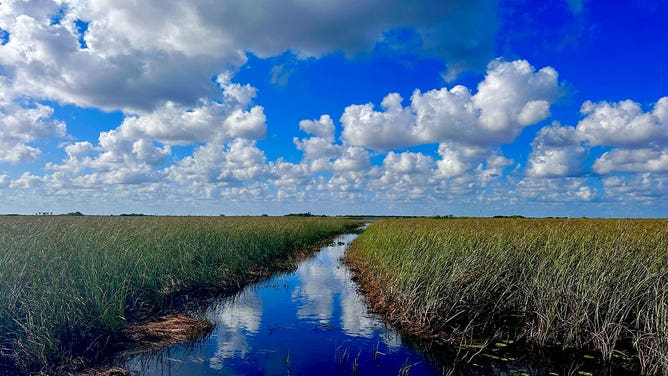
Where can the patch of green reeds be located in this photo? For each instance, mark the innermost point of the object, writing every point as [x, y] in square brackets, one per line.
[597, 284]
[69, 285]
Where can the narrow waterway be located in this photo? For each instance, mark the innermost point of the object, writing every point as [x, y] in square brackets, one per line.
[314, 321]
[311, 321]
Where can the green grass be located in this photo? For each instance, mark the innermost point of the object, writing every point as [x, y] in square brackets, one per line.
[598, 284]
[69, 285]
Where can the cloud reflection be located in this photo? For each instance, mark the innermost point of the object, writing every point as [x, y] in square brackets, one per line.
[235, 320]
[326, 287]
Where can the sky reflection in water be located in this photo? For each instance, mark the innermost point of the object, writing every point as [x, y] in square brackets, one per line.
[311, 321]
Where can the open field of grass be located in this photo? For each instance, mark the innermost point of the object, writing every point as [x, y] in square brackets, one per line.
[596, 284]
[69, 285]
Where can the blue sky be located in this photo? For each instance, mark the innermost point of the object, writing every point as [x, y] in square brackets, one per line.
[337, 107]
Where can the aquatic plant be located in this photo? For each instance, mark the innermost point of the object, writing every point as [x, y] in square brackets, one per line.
[599, 284]
[69, 285]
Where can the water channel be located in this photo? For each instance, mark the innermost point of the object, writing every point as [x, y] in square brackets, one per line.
[310, 321]
[314, 321]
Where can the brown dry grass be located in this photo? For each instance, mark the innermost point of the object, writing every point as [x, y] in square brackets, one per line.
[114, 371]
[168, 330]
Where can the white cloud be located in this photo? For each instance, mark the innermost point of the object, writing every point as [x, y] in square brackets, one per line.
[135, 51]
[322, 153]
[21, 124]
[392, 128]
[639, 138]
[403, 176]
[322, 128]
[233, 164]
[352, 159]
[557, 151]
[135, 152]
[474, 162]
[320, 148]
[123, 67]
[407, 163]
[457, 159]
[210, 121]
[115, 161]
[4, 180]
[26, 181]
[564, 189]
[644, 187]
[461, 123]
[512, 96]
[623, 123]
[632, 160]
[638, 141]
[317, 149]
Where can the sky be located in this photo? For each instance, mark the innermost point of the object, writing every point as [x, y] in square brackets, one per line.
[385, 107]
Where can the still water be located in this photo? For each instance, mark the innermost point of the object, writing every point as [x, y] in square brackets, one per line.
[311, 321]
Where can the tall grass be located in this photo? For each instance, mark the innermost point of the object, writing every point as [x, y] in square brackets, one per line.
[598, 284]
[68, 285]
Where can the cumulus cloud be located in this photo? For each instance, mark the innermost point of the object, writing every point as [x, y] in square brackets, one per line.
[352, 159]
[557, 151]
[322, 128]
[404, 175]
[623, 123]
[4, 180]
[122, 67]
[457, 159]
[130, 55]
[116, 160]
[322, 153]
[25, 181]
[209, 121]
[564, 189]
[632, 160]
[23, 122]
[224, 132]
[320, 148]
[638, 187]
[511, 97]
[391, 128]
[407, 163]
[235, 163]
[638, 140]
[468, 128]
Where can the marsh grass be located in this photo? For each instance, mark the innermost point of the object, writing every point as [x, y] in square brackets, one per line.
[69, 285]
[597, 284]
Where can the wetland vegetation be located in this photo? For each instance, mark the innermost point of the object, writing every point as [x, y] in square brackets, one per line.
[598, 285]
[70, 286]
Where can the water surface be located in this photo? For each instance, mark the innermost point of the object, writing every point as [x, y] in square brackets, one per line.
[311, 321]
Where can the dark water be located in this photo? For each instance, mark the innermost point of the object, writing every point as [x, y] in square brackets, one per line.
[314, 322]
[311, 321]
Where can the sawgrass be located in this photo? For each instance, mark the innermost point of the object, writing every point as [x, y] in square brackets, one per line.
[69, 285]
[598, 284]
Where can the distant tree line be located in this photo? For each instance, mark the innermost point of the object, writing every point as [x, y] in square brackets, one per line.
[307, 214]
